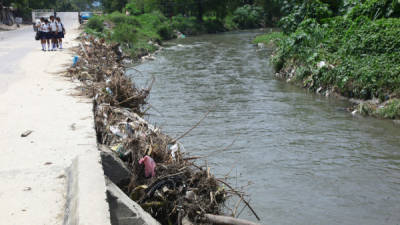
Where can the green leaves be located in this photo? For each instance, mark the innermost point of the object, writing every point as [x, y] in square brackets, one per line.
[248, 16]
[363, 55]
[96, 23]
[313, 9]
[375, 9]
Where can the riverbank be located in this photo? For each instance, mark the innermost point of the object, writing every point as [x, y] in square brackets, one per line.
[176, 182]
[353, 57]
[143, 34]
[141, 31]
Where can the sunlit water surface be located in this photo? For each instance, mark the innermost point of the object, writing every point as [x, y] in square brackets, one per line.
[309, 161]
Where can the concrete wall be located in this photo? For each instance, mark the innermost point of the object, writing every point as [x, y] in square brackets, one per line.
[69, 19]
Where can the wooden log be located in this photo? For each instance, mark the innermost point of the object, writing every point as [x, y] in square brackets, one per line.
[227, 220]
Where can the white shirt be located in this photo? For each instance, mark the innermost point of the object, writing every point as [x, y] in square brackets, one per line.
[60, 26]
[44, 27]
[53, 26]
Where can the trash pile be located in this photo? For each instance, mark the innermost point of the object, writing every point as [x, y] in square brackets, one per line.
[168, 186]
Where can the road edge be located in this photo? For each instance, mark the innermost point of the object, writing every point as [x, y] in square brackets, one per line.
[86, 200]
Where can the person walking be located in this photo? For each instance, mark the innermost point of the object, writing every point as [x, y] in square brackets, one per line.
[43, 33]
[38, 28]
[53, 33]
[61, 32]
[47, 33]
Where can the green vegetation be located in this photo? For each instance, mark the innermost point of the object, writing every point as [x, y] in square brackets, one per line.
[248, 16]
[391, 110]
[133, 32]
[138, 32]
[139, 24]
[269, 38]
[352, 50]
[266, 11]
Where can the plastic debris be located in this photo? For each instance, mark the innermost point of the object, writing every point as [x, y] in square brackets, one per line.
[109, 91]
[321, 64]
[118, 111]
[75, 60]
[149, 166]
[119, 149]
[115, 130]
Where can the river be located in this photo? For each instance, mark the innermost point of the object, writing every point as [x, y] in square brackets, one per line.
[307, 159]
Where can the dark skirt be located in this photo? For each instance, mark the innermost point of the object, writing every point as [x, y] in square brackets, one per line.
[47, 35]
[60, 35]
[52, 35]
[43, 35]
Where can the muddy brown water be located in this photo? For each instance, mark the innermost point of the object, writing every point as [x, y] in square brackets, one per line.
[308, 160]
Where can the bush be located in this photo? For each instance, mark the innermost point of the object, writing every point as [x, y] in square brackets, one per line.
[133, 9]
[372, 37]
[166, 32]
[213, 25]
[308, 10]
[153, 26]
[119, 18]
[124, 33]
[375, 9]
[363, 53]
[269, 38]
[248, 16]
[334, 5]
[96, 23]
[186, 25]
[391, 110]
[229, 24]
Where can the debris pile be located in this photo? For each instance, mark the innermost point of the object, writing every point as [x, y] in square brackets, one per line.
[168, 186]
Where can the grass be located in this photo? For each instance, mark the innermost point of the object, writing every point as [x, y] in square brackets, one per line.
[269, 38]
[390, 111]
[359, 58]
[137, 32]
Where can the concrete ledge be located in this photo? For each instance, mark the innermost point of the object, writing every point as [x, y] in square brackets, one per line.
[124, 211]
[86, 192]
[114, 168]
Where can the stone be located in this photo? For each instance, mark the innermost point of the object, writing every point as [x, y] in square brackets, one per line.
[114, 168]
[123, 210]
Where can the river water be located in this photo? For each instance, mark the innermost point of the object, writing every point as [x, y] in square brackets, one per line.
[307, 159]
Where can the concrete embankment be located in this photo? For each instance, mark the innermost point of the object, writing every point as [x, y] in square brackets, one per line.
[57, 164]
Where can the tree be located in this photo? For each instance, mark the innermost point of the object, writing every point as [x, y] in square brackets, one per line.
[113, 5]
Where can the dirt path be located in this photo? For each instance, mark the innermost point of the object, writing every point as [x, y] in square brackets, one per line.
[34, 97]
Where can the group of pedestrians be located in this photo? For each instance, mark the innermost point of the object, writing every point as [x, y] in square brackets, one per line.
[51, 32]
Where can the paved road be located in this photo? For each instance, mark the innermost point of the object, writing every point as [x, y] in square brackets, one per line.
[15, 45]
[35, 97]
